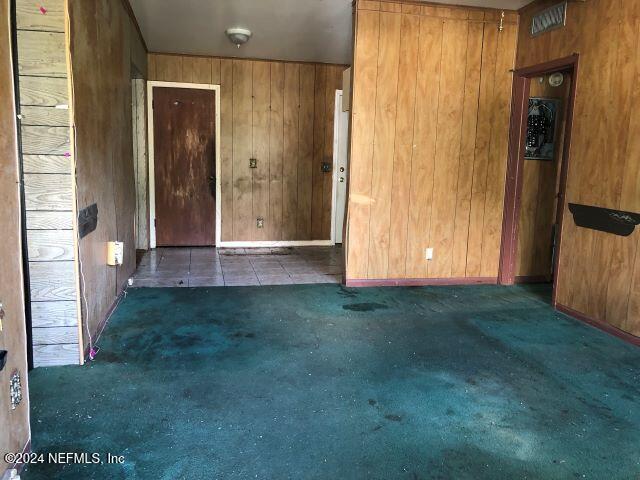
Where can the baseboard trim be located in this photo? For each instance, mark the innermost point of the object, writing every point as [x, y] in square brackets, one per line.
[277, 244]
[103, 324]
[605, 327]
[421, 282]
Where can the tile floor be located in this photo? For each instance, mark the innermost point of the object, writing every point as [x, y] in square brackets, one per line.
[207, 267]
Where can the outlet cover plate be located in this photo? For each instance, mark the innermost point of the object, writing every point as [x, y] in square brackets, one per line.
[429, 254]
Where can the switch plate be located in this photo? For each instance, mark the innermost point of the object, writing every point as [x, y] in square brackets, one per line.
[429, 254]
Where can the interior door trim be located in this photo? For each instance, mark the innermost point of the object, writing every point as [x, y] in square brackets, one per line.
[152, 182]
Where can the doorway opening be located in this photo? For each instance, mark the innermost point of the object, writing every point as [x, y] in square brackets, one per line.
[340, 166]
[539, 147]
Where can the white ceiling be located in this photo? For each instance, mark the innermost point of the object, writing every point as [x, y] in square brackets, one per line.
[303, 30]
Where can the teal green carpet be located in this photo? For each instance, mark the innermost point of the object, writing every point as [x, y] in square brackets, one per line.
[324, 382]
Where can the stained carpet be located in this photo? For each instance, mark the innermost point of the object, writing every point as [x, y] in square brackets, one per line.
[326, 382]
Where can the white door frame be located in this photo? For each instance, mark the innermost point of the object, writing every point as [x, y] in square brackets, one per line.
[302, 243]
[336, 173]
[152, 180]
[218, 220]
[337, 107]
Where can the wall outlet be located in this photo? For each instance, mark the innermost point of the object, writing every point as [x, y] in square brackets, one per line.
[429, 254]
[260, 222]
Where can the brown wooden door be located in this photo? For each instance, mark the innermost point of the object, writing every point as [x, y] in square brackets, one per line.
[184, 155]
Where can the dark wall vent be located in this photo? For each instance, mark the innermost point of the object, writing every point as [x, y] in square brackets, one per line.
[549, 19]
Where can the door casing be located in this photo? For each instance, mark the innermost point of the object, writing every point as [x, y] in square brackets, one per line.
[513, 188]
[152, 184]
[340, 135]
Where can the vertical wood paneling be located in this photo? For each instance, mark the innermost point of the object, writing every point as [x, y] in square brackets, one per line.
[305, 151]
[276, 151]
[242, 150]
[334, 82]
[260, 140]
[424, 139]
[289, 129]
[483, 142]
[362, 128]
[384, 145]
[403, 153]
[290, 166]
[196, 70]
[467, 149]
[226, 148]
[496, 168]
[215, 71]
[319, 126]
[448, 138]
[168, 68]
[429, 140]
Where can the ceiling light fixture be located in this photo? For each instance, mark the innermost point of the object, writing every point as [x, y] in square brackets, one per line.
[238, 36]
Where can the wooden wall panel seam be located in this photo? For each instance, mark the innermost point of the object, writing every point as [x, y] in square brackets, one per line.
[384, 147]
[361, 146]
[435, 147]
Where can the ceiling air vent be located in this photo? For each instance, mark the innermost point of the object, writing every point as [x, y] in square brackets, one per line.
[549, 19]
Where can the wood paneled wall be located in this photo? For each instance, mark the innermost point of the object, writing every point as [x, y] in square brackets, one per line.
[14, 430]
[430, 117]
[599, 273]
[48, 181]
[102, 52]
[540, 187]
[141, 161]
[280, 113]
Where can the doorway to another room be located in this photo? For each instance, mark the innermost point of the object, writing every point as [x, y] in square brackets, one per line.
[185, 191]
[540, 140]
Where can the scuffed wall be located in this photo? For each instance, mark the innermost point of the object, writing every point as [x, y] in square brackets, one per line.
[103, 47]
